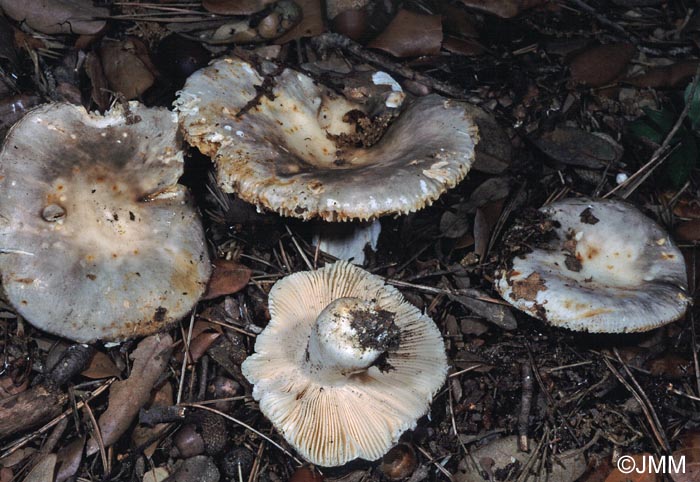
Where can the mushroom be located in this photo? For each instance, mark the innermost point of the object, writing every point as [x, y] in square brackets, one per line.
[604, 268]
[97, 239]
[345, 365]
[285, 143]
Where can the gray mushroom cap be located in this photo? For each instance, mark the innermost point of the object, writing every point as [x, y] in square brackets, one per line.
[278, 152]
[610, 269]
[97, 239]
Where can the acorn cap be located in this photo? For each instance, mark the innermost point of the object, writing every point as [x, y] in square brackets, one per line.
[609, 269]
[278, 150]
[98, 240]
[346, 364]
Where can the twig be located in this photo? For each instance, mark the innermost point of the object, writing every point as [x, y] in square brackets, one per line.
[301, 251]
[334, 40]
[98, 437]
[641, 398]
[661, 153]
[525, 406]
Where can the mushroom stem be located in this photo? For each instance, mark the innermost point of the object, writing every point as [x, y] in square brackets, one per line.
[347, 241]
[350, 335]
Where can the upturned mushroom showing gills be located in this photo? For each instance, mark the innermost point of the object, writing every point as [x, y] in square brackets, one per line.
[345, 365]
[97, 238]
[604, 268]
[283, 142]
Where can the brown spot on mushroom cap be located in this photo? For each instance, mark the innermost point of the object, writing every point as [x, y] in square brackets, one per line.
[114, 256]
[331, 417]
[623, 279]
[295, 173]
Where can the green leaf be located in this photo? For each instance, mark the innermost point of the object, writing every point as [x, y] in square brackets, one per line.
[683, 160]
[694, 109]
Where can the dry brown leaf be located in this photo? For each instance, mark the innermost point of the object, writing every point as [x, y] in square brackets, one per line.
[688, 230]
[460, 46]
[577, 147]
[93, 69]
[671, 366]
[128, 396]
[227, 278]
[601, 64]
[127, 67]
[43, 471]
[57, 16]
[311, 22]
[668, 76]
[69, 458]
[101, 366]
[143, 433]
[410, 34]
[159, 474]
[690, 450]
[503, 8]
[6, 474]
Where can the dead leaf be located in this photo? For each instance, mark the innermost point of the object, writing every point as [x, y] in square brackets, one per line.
[503, 8]
[688, 230]
[69, 458]
[101, 366]
[311, 22]
[128, 396]
[227, 278]
[467, 47]
[668, 77]
[495, 313]
[484, 221]
[690, 449]
[93, 69]
[577, 147]
[44, 470]
[410, 35]
[127, 67]
[57, 16]
[670, 365]
[601, 64]
[494, 151]
[143, 433]
[6, 474]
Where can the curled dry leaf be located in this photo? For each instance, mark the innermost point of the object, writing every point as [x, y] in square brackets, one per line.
[688, 230]
[645, 476]
[227, 278]
[57, 16]
[143, 433]
[69, 458]
[101, 366]
[601, 64]
[503, 8]
[311, 22]
[410, 34]
[128, 396]
[577, 147]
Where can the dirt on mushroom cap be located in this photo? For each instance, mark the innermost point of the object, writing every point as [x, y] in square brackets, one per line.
[275, 149]
[99, 241]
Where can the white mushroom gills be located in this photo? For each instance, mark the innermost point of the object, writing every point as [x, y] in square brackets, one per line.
[350, 335]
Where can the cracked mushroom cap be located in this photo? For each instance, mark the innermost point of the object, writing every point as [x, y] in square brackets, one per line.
[278, 151]
[97, 238]
[609, 269]
[346, 364]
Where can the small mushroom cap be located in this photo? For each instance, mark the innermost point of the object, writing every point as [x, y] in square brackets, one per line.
[97, 239]
[277, 152]
[331, 417]
[609, 270]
